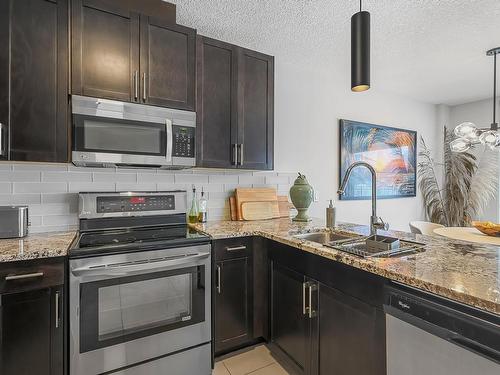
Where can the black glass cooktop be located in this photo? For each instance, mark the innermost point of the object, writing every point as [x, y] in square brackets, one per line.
[135, 239]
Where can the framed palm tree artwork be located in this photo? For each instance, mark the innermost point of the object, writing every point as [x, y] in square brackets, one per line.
[391, 151]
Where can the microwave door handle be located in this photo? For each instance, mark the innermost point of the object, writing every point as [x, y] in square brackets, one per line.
[170, 139]
[143, 266]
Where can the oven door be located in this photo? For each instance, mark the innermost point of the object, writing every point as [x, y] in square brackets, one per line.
[136, 307]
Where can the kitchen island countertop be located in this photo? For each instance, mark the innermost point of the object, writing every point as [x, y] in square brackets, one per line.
[461, 271]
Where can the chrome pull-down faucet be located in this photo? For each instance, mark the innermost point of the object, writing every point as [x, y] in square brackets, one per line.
[375, 221]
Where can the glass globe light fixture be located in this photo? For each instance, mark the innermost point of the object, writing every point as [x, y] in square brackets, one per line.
[466, 130]
[460, 145]
[490, 138]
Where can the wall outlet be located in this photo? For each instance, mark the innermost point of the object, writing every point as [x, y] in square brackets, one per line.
[316, 196]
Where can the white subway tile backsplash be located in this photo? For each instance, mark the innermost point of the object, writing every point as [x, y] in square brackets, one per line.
[154, 177]
[25, 176]
[19, 199]
[40, 187]
[223, 179]
[5, 187]
[67, 176]
[126, 186]
[115, 177]
[77, 187]
[51, 190]
[191, 179]
[60, 220]
[251, 179]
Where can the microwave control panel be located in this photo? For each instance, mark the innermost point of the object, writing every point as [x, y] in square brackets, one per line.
[183, 142]
[135, 203]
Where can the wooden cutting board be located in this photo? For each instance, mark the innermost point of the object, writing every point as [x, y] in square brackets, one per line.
[284, 206]
[243, 195]
[232, 208]
[260, 210]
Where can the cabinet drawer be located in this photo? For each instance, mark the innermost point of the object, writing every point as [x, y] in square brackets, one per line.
[233, 248]
[29, 275]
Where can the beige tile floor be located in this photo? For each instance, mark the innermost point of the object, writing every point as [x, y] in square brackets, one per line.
[253, 361]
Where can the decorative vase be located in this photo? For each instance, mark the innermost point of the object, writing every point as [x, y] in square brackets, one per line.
[302, 195]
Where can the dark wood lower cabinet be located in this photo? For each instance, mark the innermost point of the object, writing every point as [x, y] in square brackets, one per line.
[290, 325]
[32, 338]
[317, 328]
[233, 310]
[233, 294]
[351, 335]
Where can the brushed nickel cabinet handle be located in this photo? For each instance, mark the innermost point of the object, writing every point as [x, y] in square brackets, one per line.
[57, 309]
[24, 276]
[304, 307]
[235, 154]
[312, 311]
[236, 248]
[241, 154]
[144, 86]
[136, 85]
[2, 149]
[218, 287]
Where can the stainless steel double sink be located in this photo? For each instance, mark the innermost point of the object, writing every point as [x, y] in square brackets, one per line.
[364, 246]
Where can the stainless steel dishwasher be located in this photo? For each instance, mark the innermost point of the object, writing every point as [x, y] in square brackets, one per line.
[429, 335]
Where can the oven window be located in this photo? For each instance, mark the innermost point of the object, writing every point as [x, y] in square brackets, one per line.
[118, 310]
[100, 134]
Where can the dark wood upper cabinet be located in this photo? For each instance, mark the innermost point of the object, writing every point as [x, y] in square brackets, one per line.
[216, 105]
[105, 50]
[255, 109]
[34, 80]
[235, 106]
[121, 54]
[167, 64]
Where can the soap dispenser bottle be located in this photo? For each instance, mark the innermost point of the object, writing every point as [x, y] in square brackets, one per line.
[330, 215]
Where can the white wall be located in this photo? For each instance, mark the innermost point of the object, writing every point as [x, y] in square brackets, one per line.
[309, 102]
[481, 114]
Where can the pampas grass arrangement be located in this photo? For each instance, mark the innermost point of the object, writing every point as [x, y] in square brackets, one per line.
[470, 182]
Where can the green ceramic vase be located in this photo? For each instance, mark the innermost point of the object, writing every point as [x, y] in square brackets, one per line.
[302, 195]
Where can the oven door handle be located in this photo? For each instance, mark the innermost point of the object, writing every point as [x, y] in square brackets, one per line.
[146, 266]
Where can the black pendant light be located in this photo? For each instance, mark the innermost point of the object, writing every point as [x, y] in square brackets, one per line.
[360, 50]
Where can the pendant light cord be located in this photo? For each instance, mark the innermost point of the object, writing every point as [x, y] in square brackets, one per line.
[360, 5]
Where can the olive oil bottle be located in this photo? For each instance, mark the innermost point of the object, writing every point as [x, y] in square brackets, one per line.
[193, 212]
[202, 206]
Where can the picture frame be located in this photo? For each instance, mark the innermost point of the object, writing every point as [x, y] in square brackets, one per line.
[391, 151]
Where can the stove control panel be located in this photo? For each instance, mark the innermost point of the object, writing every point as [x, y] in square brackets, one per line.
[135, 203]
[183, 142]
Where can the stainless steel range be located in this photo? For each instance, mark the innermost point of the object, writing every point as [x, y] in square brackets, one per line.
[139, 287]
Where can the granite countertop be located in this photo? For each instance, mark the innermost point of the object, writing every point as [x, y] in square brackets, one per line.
[36, 246]
[462, 271]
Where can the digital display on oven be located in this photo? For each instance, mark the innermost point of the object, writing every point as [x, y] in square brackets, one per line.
[135, 203]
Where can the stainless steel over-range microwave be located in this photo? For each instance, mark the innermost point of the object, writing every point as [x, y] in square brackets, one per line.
[108, 133]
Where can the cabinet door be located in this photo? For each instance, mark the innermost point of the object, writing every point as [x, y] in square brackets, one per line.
[255, 110]
[30, 340]
[168, 58]
[290, 325]
[351, 335]
[33, 80]
[233, 304]
[105, 50]
[216, 104]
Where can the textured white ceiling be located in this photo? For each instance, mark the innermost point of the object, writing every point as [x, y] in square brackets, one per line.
[429, 50]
